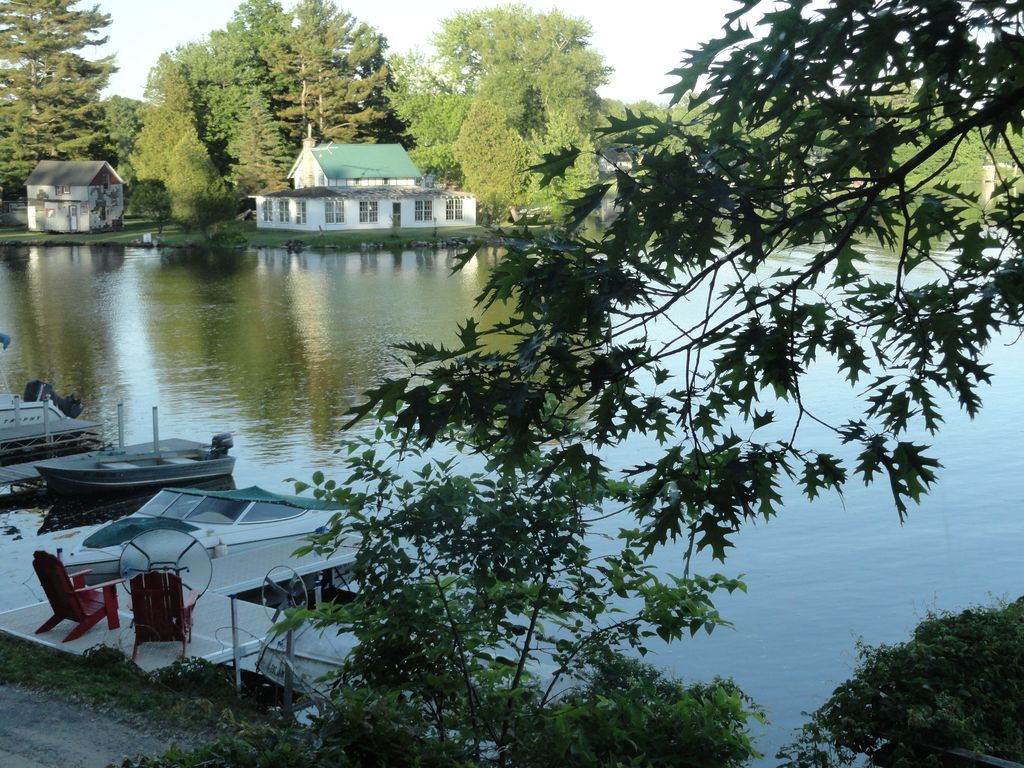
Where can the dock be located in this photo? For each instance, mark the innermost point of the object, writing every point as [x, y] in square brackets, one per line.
[212, 631]
[59, 438]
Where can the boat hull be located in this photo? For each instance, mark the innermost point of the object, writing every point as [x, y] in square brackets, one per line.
[74, 480]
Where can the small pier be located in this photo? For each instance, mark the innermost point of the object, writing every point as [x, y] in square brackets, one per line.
[31, 441]
[214, 637]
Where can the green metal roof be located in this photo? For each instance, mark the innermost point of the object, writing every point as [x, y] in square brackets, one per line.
[365, 161]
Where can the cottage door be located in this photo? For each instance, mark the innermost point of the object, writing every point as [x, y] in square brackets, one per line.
[396, 214]
[72, 218]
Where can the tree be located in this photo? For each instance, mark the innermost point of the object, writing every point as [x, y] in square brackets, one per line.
[434, 112]
[168, 115]
[703, 215]
[123, 125]
[49, 93]
[199, 197]
[336, 75]
[493, 159]
[150, 198]
[263, 159]
[527, 63]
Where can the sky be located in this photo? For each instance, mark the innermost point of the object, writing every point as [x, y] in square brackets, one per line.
[641, 40]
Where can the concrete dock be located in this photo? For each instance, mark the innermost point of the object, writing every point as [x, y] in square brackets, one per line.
[212, 634]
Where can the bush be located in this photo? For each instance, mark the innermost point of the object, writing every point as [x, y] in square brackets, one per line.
[958, 682]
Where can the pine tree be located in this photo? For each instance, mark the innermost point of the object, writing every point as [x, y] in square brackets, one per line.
[49, 93]
[337, 76]
[262, 158]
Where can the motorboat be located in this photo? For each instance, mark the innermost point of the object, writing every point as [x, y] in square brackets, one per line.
[39, 405]
[222, 522]
[162, 463]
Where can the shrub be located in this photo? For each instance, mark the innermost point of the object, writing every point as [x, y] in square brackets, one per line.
[958, 682]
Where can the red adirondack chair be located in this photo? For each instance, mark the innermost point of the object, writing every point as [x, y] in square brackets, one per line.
[163, 613]
[71, 599]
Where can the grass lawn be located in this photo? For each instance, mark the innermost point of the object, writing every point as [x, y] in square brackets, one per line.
[239, 233]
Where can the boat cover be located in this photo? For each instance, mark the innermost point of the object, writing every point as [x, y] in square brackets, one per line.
[255, 493]
[126, 529]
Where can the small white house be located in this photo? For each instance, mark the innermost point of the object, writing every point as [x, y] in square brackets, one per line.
[358, 187]
[74, 196]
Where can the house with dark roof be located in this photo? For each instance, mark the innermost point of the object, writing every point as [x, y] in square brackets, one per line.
[360, 186]
[74, 196]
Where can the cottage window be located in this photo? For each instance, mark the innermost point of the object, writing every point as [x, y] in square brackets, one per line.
[367, 211]
[321, 180]
[62, 190]
[267, 210]
[424, 210]
[334, 212]
[300, 211]
[283, 211]
[453, 209]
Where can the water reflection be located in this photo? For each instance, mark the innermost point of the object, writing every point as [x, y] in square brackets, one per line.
[271, 345]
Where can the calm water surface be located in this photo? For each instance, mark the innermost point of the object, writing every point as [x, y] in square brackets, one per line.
[274, 347]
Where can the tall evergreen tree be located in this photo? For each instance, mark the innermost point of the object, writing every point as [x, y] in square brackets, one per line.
[168, 115]
[337, 76]
[493, 158]
[263, 159]
[49, 93]
[199, 197]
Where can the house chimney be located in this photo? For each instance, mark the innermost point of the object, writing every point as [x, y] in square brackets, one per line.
[308, 162]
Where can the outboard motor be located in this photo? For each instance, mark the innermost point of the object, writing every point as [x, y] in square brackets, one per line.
[37, 391]
[221, 443]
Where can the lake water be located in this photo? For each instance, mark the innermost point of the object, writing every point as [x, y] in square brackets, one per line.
[274, 347]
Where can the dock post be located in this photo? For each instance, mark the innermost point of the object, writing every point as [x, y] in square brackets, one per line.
[120, 426]
[17, 411]
[289, 669]
[235, 648]
[156, 431]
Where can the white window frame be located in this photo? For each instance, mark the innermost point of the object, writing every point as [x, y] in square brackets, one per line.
[453, 209]
[368, 212]
[267, 210]
[424, 210]
[300, 211]
[334, 212]
[62, 189]
[284, 211]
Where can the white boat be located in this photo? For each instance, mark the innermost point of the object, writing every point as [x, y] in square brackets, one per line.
[40, 405]
[222, 521]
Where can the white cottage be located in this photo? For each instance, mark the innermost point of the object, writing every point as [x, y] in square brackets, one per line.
[74, 196]
[360, 186]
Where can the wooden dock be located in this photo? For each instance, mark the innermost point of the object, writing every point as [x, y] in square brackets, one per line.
[212, 635]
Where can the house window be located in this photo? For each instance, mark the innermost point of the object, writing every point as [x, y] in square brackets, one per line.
[367, 211]
[453, 209]
[62, 190]
[283, 211]
[321, 180]
[300, 211]
[267, 210]
[334, 212]
[424, 210]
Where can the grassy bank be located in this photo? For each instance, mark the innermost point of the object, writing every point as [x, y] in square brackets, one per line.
[191, 696]
[238, 233]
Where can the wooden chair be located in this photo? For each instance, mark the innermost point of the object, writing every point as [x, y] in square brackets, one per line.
[163, 613]
[71, 599]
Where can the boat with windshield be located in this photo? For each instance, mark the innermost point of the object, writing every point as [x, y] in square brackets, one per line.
[222, 521]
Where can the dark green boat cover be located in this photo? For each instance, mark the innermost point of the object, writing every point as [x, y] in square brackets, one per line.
[126, 529]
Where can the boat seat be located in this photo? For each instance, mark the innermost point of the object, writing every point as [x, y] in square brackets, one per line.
[118, 465]
[178, 460]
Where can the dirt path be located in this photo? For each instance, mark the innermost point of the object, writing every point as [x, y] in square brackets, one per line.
[38, 730]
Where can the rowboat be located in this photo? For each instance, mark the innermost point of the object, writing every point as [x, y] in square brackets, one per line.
[115, 470]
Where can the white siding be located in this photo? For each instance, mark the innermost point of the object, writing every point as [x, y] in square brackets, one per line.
[316, 214]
